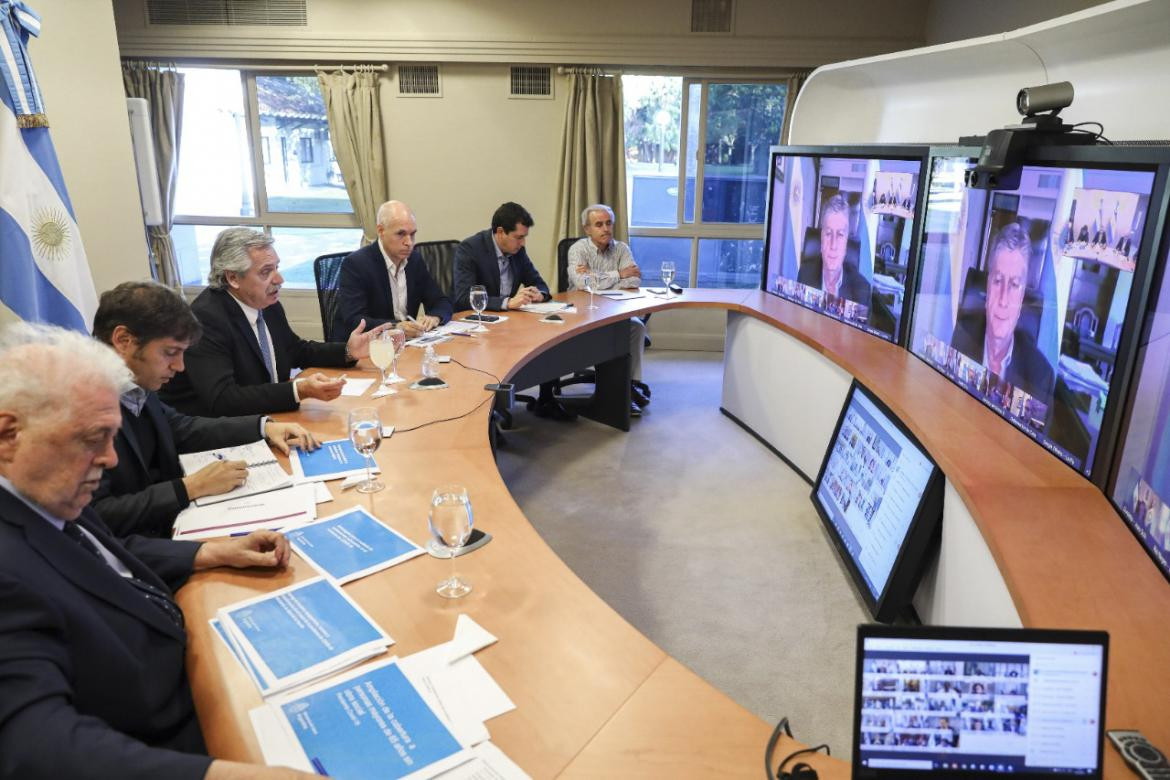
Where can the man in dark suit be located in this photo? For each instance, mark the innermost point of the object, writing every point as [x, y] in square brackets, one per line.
[831, 271]
[496, 258]
[992, 337]
[92, 645]
[242, 363]
[387, 280]
[150, 327]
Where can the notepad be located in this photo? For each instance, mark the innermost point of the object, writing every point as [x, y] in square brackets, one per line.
[273, 510]
[264, 473]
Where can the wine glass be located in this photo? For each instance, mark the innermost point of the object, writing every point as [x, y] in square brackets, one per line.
[450, 521]
[667, 272]
[479, 298]
[590, 280]
[398, 339]
[382, 353]
[365, 431]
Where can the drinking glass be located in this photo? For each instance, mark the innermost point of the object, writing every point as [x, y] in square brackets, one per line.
[382, 353]
[398, 338]
[667, 273]
[450, 521]
[479, 299]
[365, 431]
[590, 280]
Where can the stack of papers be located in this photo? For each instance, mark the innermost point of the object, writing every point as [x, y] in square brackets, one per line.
[351, 544]
[335, 459]
[546, 308]
[274, 510]
[264, 473]
[619, 295]
[299, 634]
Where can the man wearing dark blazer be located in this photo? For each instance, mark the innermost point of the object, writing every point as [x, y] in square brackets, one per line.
[92, 644]
[496, 258]
[243, 361]
[150, 327]
[384, 282]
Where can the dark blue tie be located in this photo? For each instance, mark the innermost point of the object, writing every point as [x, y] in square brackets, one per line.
[265, 348]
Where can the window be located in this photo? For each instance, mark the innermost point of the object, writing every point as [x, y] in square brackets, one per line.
[256, 152]
[697, 174]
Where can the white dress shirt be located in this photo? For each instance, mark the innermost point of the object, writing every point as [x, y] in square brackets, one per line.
[397, 275]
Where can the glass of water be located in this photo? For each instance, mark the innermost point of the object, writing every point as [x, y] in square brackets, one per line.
[365, 431]
[450, 521]
[398, 338]
[479, 299]
[382, 353]
[667, 272]
[590, 280]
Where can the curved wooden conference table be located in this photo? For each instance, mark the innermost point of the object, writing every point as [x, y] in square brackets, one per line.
[594, 697]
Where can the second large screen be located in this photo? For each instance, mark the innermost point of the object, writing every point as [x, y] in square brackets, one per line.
[1023, 293]
[839, 236]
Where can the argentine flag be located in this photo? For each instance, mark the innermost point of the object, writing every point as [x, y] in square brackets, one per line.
[44, 275]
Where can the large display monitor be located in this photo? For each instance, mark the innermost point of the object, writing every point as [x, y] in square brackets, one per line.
[840, 231]
[1025, 296]
[879, 495]
[969, 703]
[1141, 485]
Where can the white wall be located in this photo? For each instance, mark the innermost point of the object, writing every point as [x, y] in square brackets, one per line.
[956, 20]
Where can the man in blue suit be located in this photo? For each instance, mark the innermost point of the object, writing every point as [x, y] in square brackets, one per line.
[92, 645]
[387, 280]
[496, 258]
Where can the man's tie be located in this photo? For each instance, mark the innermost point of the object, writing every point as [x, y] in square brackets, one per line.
[265, 348]
[155, 596]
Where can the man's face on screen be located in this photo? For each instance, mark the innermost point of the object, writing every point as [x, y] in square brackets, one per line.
[834, 239]
[1006, 278]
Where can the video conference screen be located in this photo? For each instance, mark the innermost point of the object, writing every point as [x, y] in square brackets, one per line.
[1022, 294]
[839, 236]
[979, 706]
[871, 488]
[1142, 486]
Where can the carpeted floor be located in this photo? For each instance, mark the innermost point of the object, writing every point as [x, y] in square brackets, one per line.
[703, 539]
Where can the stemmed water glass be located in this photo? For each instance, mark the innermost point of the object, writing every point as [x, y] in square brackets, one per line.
[479, 299]
[365, 431]
[382, 353]
[667, 272]
[590, 280]
[398, 338]
[450, 521]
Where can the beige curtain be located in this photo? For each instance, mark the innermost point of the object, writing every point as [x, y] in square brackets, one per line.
[163, 89]
[795, 82]
[355, 127]
[593, 160]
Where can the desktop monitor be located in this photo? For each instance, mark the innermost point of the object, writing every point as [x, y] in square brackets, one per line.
[1141, 484]
[840, 231]
[936, 702]
[879, 496]
[1025, 296]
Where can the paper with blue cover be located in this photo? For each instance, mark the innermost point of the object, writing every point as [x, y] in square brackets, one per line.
[299, 634]
[335, 459]
[368, 724]
[351, 544]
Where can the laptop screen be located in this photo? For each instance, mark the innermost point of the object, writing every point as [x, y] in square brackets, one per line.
[978, 702]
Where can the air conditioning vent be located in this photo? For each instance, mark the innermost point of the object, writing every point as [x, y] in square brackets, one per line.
[419, 81]
[267, 13]
[531, 81]
[711, 16]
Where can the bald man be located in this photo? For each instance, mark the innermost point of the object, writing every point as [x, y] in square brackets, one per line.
[387, 280]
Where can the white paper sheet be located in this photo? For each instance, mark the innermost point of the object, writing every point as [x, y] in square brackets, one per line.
[356, 387]
[469, 637]
[488, 763]
[273, 510]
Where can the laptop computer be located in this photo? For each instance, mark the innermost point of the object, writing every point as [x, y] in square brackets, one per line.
[978, 702]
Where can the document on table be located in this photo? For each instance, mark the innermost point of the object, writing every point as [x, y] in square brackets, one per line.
[619, 295]
[335, 459]
[300, 634]
[264, 473]
[488, 763]
[273, 510]
[350, 545]
[547, 308]
[371, 723]
[428, 338]
[356, 387]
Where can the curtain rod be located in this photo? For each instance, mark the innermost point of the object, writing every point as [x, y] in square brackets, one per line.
[583, 71]
[257, 66]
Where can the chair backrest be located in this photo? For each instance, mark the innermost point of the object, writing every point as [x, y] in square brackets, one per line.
[439, 258]
[563, 263]
[327, 272]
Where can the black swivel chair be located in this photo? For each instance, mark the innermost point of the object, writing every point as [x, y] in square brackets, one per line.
[327, 272]
[439, 258]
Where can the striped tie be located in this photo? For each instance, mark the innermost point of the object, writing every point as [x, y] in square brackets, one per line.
[265, 348]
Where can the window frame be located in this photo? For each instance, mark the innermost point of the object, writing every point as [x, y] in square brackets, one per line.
[264, 219]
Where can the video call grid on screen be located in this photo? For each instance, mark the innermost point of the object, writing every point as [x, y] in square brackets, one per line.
[846, 222]
[870, 488]
[979, 706]
[1064, 245]
[1141, 487]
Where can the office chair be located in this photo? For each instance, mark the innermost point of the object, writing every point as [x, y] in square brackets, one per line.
[439, 258]
[327, 273]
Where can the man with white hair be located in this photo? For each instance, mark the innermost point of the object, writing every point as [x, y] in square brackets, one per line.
[243, 362]
[611, 261]
[92, 645]
[387, 281]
